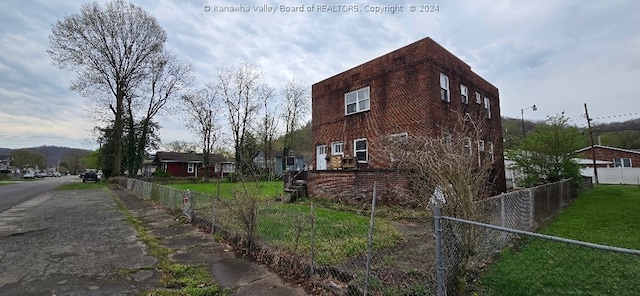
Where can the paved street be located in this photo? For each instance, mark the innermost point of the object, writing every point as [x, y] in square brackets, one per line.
[76, 242]
[71, 243]
[11, 195]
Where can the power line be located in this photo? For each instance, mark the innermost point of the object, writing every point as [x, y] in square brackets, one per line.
[617, 115]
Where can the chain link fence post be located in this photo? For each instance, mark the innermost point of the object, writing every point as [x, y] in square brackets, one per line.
[313, 240]
[370, 242]
[436, 200]
[187, 208]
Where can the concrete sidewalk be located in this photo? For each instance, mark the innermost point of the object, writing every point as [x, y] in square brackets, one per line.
[193, 246]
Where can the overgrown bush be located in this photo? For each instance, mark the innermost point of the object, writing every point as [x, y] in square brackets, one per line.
[161, 173]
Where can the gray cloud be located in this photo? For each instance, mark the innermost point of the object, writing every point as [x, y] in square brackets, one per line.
[556, 54]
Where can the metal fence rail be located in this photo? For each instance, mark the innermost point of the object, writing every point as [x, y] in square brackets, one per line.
[297, 246]
[533, 263]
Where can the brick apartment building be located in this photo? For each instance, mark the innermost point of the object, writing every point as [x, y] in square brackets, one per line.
[414, 90]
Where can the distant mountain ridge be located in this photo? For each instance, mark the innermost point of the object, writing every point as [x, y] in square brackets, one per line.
[52, 154]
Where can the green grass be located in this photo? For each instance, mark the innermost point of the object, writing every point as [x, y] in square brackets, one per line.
[82, 186]
[604, 215]
[266, 189]
[338, 235]
[2, 183]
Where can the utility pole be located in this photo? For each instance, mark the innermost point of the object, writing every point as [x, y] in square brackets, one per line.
[593, 150]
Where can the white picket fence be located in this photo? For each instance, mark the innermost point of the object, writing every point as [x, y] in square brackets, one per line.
[630, 176]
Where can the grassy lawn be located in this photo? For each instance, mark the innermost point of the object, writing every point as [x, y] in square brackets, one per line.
[81, 186]
[266, 189]
[605, 215]
[338, 235]
[2, 183]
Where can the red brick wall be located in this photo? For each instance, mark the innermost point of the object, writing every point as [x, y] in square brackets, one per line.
[404, 97]
[611, 154]
[356, 187]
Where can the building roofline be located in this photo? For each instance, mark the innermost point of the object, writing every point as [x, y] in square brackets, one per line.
[406, 47]
[607, 147]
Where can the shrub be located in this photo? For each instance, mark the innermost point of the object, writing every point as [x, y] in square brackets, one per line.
[161, 173]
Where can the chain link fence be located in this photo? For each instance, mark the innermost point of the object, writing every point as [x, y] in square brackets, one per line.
[359, 252]
[499, 255]
[332, 251]
[534, 264]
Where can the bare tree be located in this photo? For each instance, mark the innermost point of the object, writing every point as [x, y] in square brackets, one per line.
[180, 146]
[241, 89]
[202, 108]
[296, 107]
[167, 75]
[267, 131]
[459, 160]
[110, 48]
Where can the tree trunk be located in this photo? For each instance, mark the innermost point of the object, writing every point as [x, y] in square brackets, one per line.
[117, 133]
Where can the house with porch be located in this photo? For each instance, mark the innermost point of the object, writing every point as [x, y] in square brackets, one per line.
[192, 164]
[414, 90]
[294, 161]
[5, 162]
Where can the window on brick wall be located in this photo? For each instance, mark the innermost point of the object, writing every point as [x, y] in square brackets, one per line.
[480, 145]
[491, 152]
[360, 150]
[467, 146]
[444, 88]
[190, 167]
[478, 98]
[622, 162]
[446, 139]
[357, 101]
[337, 148]
[487, 107]
[464, 94]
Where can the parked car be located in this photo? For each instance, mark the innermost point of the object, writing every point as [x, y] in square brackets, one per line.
[57, 174]
[41, 175]
[29, 176]
[90, 176]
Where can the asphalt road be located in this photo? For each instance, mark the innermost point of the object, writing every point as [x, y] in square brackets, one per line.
[69, 242]
[14, 194]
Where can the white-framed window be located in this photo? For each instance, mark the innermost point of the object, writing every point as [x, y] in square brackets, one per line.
[478, 98]
[464, 93]
[357, 101]
[228, 168]
[487, 106]
[446, 139]
[444, 88]
[337, 148]
[622, 162]
[190, 167]
[467, 146]
[360, 150]
[491, 152]
[480, 145]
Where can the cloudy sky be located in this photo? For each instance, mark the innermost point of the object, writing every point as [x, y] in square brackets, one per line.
[557, 55]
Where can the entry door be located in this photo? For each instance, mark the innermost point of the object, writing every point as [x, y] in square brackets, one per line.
[321, 157]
